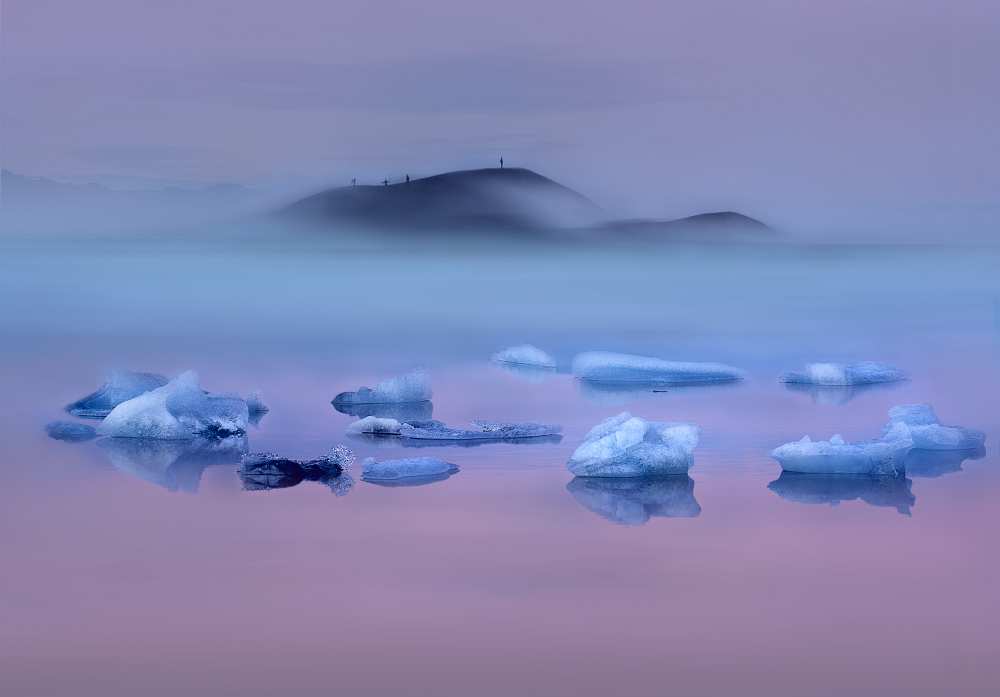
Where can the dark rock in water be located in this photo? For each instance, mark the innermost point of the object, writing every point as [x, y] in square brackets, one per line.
[261, 471]
[832, 489]
[633, 501]
[70, 431]
[120, 387]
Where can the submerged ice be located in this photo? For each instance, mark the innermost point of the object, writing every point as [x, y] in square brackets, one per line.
[845, 374]
[600, 366]
[525, 355]
[628, 446]
[413, 387]
[410, 470]
[120, 387]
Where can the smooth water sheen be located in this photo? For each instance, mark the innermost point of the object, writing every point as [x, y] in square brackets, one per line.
[144, 568]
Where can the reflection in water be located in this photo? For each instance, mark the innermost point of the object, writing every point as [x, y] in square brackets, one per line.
[261, 472]
[173, 464]
[528, 373]
[618, 393]
[893, 492]
[836, 395]
[632, 501]
[70, 431]
[934, 463]
[400, 411]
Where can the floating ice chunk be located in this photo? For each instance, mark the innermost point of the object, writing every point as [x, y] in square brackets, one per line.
[70, 431]
[260, 471]
[627, 446]
[936, 463]
[927, 434]
[120, 387]
[843, 374]
[177, 411]
[836, 456]
[376, 426]
[634, 501]
[480, 431]
[414, 387]
[525, 355]
[600, 366]
[831, 489]
[411, 470]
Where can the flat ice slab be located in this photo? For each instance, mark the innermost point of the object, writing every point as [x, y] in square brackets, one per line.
[600, 366]
[525, 355]
[437, 431]
[121, 386]
[413, 387]
[178, 410]
[628, 446]
[407, 471]
[832, 489]
[635, 501]
[928, 434]
[836, 456]
[70, 431]
[845, 374]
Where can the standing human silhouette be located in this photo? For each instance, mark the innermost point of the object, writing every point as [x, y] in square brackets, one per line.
[407, 178]
[501, 162]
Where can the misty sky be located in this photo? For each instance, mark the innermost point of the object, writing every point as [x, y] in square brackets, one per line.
[846, 114]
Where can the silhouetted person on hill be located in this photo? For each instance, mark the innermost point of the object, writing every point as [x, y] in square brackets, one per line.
[407, 178]
[385, 182]
[501, 162]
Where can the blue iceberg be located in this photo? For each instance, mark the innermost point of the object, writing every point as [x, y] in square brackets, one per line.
[628, 446]
[70, 431]
[883, 457]
[414, 387]
[411, 471]
[600, 366]
[845, 374]
[120, 387]
[920, 421]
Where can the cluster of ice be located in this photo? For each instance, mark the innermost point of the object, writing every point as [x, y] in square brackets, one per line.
[841, 374]
[260, 471]
[634, 501]
[628, 446]
[120, 387]
[435, 430]
[883, 457]
[177, 411]
[70, 431]
[600, 366]
[832, 489]
[413, 387]
[525, 355]
[928, 434]
[407, 471]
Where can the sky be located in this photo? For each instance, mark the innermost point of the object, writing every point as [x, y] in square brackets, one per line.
[819, 116]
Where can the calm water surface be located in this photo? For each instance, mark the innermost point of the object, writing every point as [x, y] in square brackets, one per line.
[148, 570]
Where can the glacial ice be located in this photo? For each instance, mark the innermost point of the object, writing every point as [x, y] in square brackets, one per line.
[70, 431]
[260, 471]
[600, 366]
[841, 374]
[936, 463]
[375, 426]
[178, 410]
[436, 431]
[928, 434]
[628, 446]
[831, 489]
[407, 471]
[176, 465]
[413, 387]
[882, 457]
[634, 501]
[403, 411]
[120, 387]
[525, 355]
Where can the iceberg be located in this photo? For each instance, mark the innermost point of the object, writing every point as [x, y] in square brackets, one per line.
[525, 355]
[176, 465]
[600, 366]
[483, 431]
[261, 471]
[845, 374]
[179, 410]
[634, 501]
[883, 457]
[928, 434]
[832, 489]
[409, 471]
[628, 446]
[120, 387]
[414, 387]
[70, 431]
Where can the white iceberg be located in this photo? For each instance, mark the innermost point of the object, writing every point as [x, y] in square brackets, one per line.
[177, 411]
[415, 469]
[375, 426]
[845, 374]
[120, 387]
[928, 434]
[628, 446]
[525, 355]
[413, 387]
[883, 457]
[601, 366]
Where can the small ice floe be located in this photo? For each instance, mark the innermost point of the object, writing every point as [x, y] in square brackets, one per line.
[634, 501]
[480, 431]
[120, 387]
[927, 433]
[845, 374]
[525, 355]
[628, 446]
[410, 471]
[70, 431]
[883, 457]
[260, 471]
[178, 410]
[832, 489]
[175, 465]
[600, 366]
[413, 387]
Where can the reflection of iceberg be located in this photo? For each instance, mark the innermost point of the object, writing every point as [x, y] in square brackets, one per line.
[934, 463]
[174, 465]
[120, 387]
[621, 368]
[404, 411]
[836, 395]
[628, 446]
[256, 409]
[635, 501]
[263, 471]
[70, 431]
[864, 373]
[414, 387]
[618, 393]
[525, 355]
[528, 373]
[893, 492]
[411, 471]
